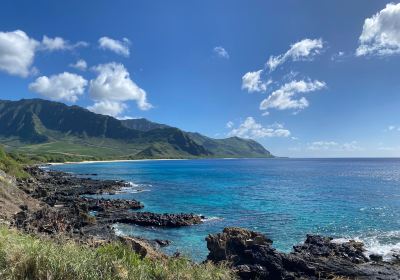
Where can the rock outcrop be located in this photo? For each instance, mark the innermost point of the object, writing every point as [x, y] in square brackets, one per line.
[150, 219]
[252, 256]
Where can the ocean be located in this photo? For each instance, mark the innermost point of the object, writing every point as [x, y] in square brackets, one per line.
[282, 198]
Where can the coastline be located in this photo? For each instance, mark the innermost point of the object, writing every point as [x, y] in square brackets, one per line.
[147, 159]
[66, 212]
[109, 161]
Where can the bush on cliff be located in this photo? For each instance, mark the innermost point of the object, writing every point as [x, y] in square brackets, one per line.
[11, 166]
[26, 257]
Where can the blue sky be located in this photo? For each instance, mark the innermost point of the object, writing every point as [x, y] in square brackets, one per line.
[331, 86]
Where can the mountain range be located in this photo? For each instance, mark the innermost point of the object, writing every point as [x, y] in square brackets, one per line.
[38, 127]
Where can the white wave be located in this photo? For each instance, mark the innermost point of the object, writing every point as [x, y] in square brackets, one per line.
[117, 230]
[132, 184]
[132, 188]
[209, 219]
[385, 244]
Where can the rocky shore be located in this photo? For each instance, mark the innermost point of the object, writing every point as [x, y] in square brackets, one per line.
[66, 209]
[252, 256]
[69, 210]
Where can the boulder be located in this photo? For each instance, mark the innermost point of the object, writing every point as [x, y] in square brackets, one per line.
[141, 247]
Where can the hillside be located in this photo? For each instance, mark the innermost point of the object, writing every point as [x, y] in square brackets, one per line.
[142, 124]
[59, 132]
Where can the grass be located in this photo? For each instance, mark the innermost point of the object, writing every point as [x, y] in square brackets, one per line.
[11, 166]
[27, 257]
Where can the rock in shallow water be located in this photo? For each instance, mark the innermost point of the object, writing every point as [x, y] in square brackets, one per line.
[150, 219]
[252, 256]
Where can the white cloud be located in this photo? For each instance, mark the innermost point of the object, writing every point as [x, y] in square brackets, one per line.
[127, 117]
[381, 32]
[58, 43]
[65, 86]
[339, 56]
[252, 82]
[251, 129]
[17, 52]
[221, 52]
[334, 146]
[304, 49]
[114, 85]
[393, 128]
[106, 107]
[284, 97]
[119, 47]
[80, 65]
[229, 124]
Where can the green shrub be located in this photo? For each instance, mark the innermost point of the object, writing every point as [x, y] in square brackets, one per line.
[11, 166]
[27, 257]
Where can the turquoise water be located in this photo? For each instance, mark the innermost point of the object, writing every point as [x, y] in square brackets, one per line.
[283, 198]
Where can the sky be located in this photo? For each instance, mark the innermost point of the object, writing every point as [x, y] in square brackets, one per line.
[304, 78]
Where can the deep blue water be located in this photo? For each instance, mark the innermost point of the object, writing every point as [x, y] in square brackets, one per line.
[283, 198]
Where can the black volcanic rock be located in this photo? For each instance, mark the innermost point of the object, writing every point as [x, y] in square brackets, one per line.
[68, 208]
[150, 219]
[252, 256]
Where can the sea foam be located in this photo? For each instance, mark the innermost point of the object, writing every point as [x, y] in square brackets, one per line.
[132, 188]
[385, 244]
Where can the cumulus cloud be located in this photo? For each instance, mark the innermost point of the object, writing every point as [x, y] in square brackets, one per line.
[58, 43]
[304, 49]
[17, 52]
[284, 97]
[65, 86]
[113, 84]
[221, 52]
[381, 32]
[119, 47]
[106, 107]
[80, 65]
[252, 82]
[251, 129]
[334, 146]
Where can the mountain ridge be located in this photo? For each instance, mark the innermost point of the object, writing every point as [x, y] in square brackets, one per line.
[38, 126]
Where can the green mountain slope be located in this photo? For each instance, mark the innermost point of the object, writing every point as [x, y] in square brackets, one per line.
[40, 127]
[142, 124]
[231, 147]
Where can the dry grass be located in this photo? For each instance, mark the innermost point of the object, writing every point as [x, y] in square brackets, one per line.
[27, 257]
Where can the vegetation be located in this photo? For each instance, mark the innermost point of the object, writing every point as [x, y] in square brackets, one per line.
[9, 165]
[26, 257]
[50, 131]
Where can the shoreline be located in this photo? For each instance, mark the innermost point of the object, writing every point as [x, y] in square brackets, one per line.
[147, 159]
[225, 158]
[69, 208]
[107, 161]
[66, 213]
